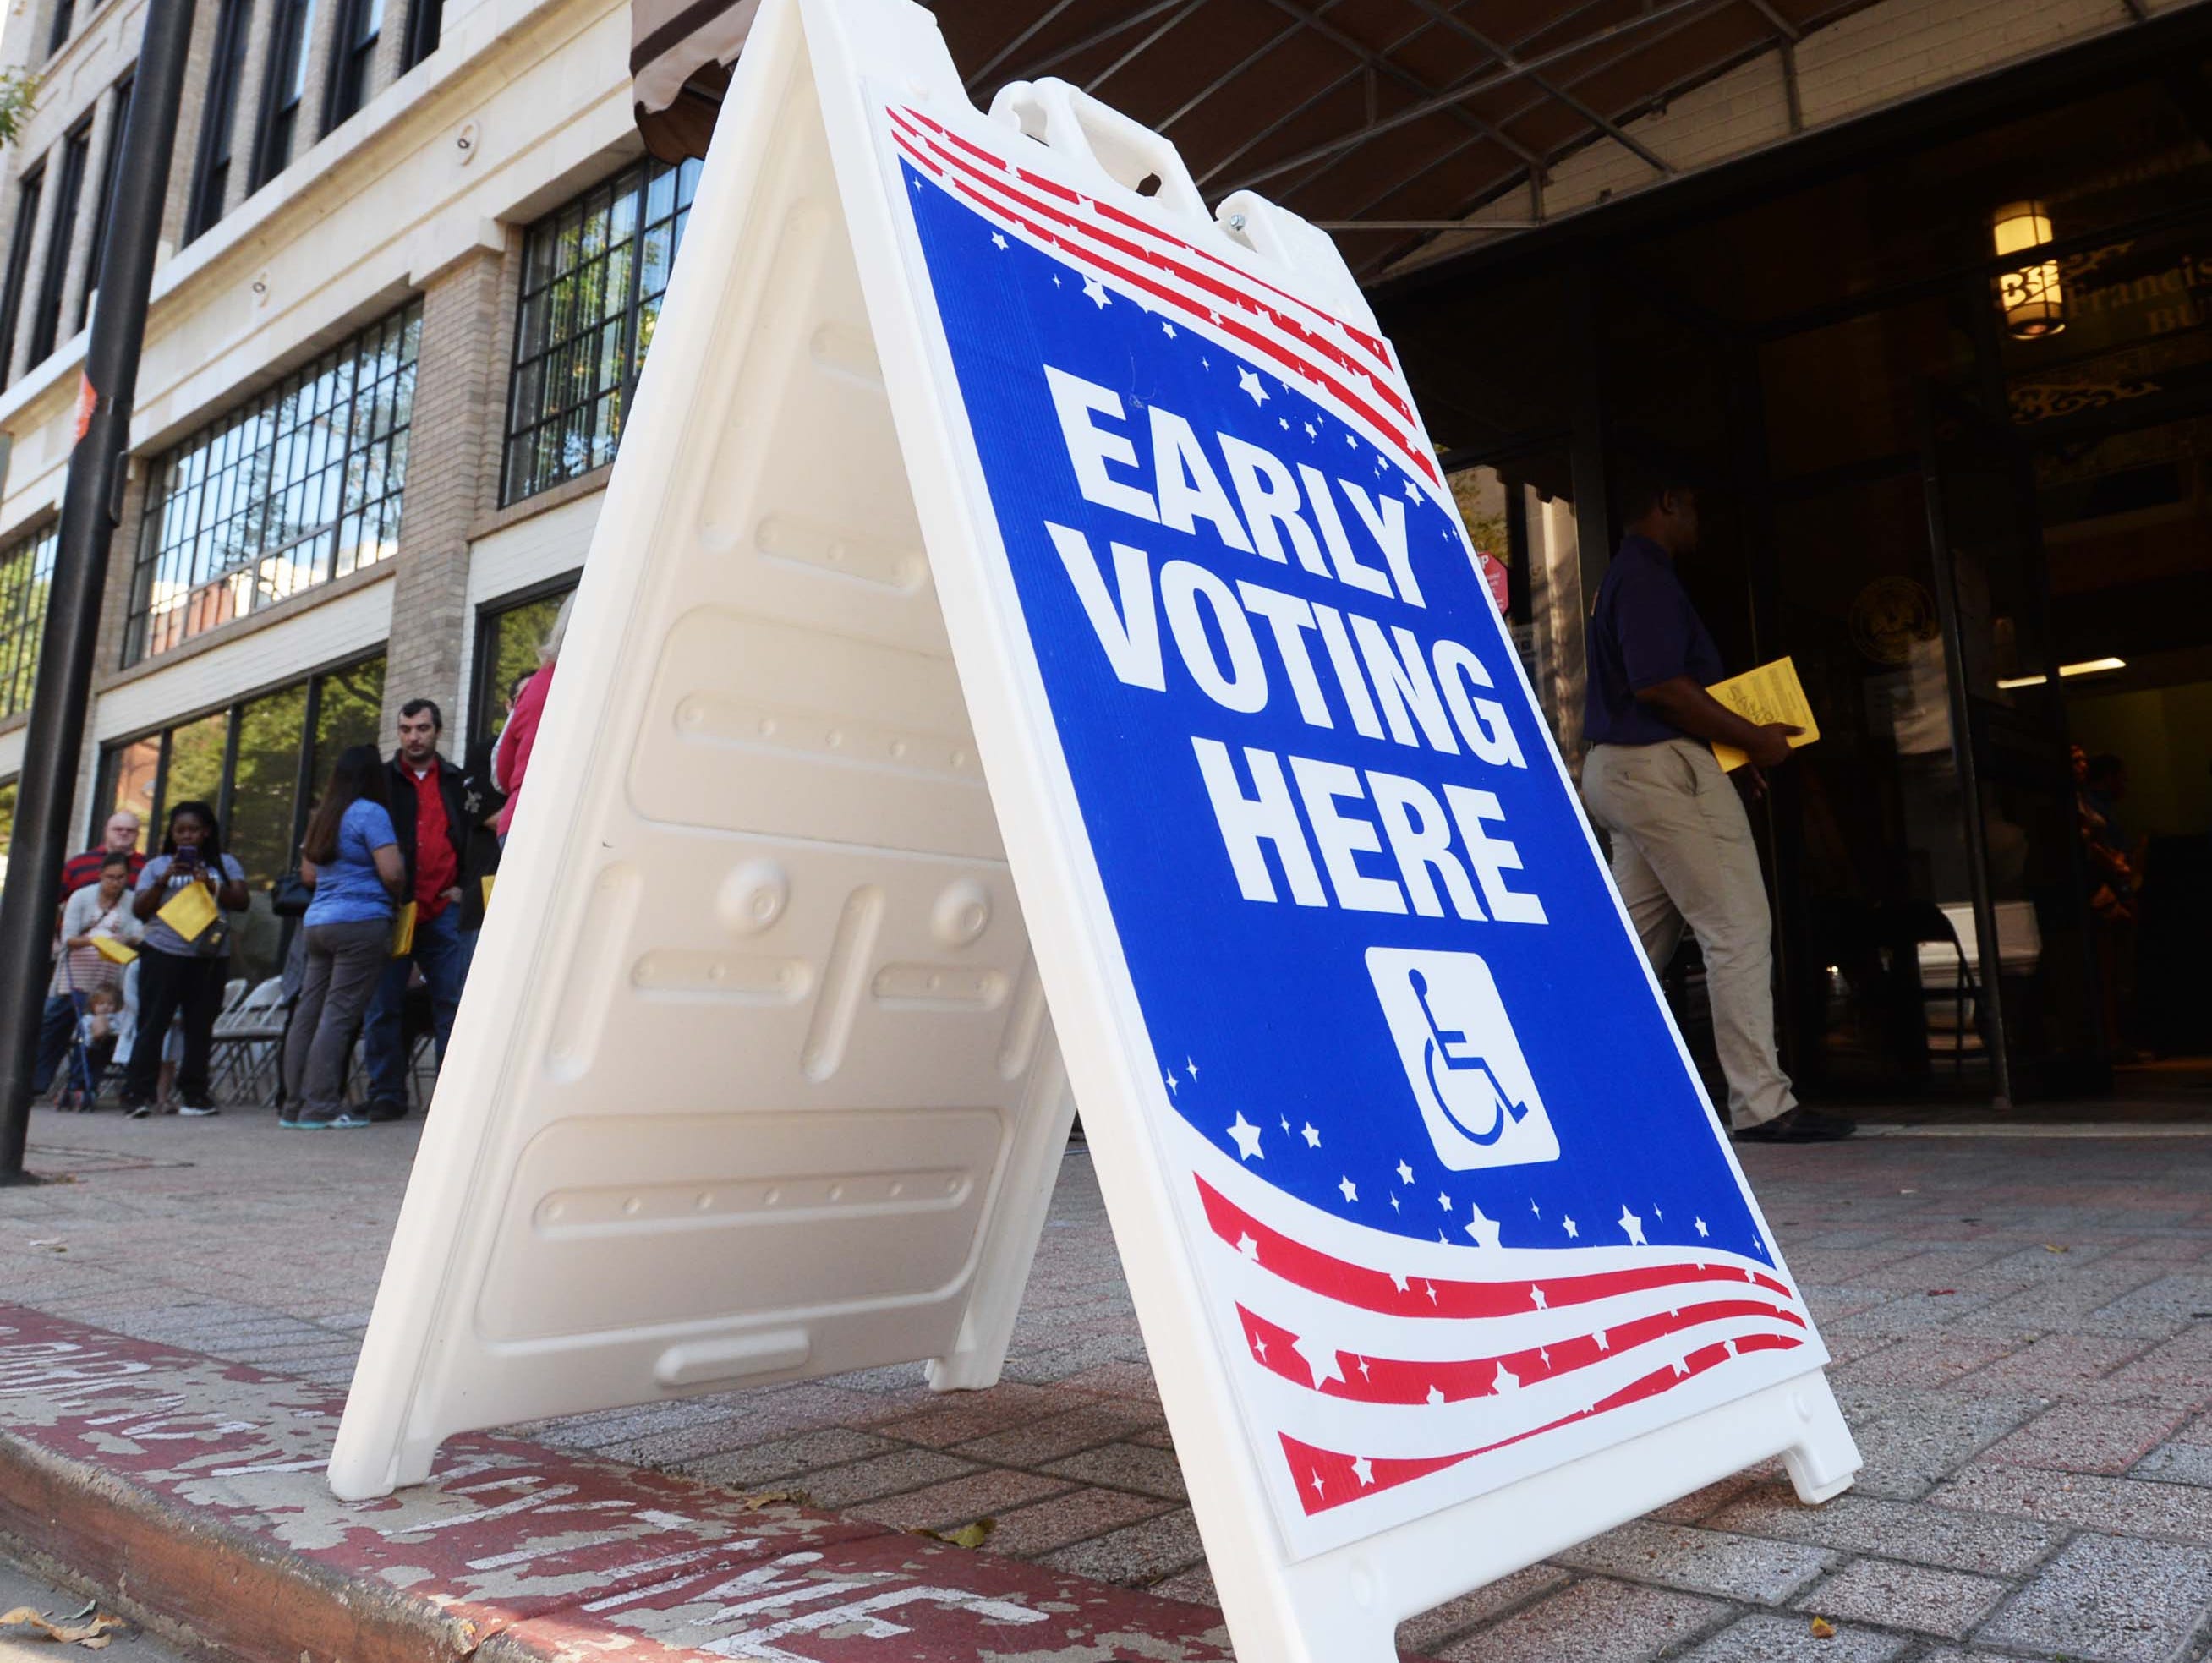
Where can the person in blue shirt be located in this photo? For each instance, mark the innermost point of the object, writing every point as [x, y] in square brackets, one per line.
[1682, 851]
[350, 857]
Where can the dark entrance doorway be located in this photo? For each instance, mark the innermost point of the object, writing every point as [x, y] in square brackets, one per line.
[1955, 475]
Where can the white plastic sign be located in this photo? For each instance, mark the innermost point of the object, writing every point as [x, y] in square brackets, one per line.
[1442, 1258]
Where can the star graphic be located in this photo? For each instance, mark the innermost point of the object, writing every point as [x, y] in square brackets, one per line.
[1545, 1352]
[1572, 1233]
[1394, 1207]
[1363, 1470]
[1432, 1286]
[1247, 382]
[1404, 1172]
[915, 183]
[998, 240]
[1284, 422]
[1056, 280]
[1168, 1079]
[1350, 1190]
[1629, 1222]
[1537, 1294]
[1364, 1374]
[1260, 1348]
[1398, 1281]
[1247, 1138]
[1731, 1348]
[1168, 329]
[1248, 1247]
[1658, 1214]
[1484, 1230]
[1444, 1201]
[1350, 443]
[1312, 1137]
[1681, 1367]
[1435, 1396]
[1285, 1120]
[1311, 432]
[1534, 1208]
[1319, 1488]
[1507, 1380]
[1095, 290]
[1603, 1344]
[1700, 1224]
[1412, 494]
[1190, 1068]
[1321, 1359]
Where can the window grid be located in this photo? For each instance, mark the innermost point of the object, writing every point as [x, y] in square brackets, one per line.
[592, 276]
[302, 485]
[26, 573]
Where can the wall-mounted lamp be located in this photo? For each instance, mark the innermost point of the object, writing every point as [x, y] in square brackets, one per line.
[2034, 303]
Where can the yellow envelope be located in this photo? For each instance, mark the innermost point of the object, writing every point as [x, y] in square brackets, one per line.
[488, 880]
[402, 931]
[115, 951]
[1770, 692]
[189, 912]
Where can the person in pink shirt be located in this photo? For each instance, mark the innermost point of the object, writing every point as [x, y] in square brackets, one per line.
[510, 760]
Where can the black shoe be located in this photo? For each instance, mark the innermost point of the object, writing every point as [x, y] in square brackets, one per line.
[1798, 1125]
[380, 1113]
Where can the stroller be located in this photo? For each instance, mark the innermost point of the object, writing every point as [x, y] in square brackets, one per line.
[76, 1086]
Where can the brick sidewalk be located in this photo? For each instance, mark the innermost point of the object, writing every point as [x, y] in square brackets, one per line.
[2023, 1327]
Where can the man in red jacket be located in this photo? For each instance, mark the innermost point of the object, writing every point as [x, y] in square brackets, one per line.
[430, 815]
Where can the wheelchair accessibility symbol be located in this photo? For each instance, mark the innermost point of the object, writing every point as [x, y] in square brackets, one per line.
[1461, 1060]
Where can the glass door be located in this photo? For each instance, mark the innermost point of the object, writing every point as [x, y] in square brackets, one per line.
[2020, 923]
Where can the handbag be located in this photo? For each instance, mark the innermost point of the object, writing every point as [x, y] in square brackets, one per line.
[290, 896]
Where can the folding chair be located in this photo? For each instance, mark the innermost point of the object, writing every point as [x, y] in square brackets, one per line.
[248, 1039]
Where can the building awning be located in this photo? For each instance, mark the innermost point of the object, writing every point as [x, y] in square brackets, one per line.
[1385, 121]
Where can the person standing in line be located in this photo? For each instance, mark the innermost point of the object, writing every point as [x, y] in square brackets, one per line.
[1682, 850]
[429, 816]
[102, 908]
[511, 761]
[350, 857]
[176, 975]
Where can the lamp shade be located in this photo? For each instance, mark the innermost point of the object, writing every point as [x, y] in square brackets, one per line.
[2031, 298]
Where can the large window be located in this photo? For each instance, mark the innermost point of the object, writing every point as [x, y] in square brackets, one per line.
[69, 189]
[302, 486]
[593, 275]
[26, 571]
[28, 194]
[218, 116]
[261, 763]
[110, 164]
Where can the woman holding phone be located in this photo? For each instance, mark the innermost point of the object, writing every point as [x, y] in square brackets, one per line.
[181, 973]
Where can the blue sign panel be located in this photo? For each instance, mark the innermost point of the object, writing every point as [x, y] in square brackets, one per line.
[1462, 1202]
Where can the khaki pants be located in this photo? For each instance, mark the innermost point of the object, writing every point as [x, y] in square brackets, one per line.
[1682, 854]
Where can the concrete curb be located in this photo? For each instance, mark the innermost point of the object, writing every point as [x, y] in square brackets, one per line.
[193, 1488]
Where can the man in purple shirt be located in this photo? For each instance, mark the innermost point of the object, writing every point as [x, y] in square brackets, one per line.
[1682, 853]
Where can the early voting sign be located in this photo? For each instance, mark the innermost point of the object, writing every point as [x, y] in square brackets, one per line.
[1440, 1254]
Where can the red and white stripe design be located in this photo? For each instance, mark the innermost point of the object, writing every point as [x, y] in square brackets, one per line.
[1370, 1376]
[1349, 370]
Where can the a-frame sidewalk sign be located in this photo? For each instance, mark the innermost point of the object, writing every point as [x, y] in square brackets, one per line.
[1028, 620]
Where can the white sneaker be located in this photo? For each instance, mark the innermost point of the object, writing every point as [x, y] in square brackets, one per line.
[197, 1111]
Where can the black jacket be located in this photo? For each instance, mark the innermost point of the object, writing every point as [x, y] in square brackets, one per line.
[400, 785]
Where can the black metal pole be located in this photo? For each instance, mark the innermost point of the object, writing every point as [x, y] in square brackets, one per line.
[47, 785]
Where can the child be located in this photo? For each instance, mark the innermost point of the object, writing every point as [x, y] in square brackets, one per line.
[97, 1032]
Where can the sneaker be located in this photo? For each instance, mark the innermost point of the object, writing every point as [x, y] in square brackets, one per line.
[328, 1119]
[1798, 1125]
[382, 1112]
[138, 1111]
[197, 1111]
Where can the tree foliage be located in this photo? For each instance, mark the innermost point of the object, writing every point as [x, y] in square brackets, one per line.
[19, 95]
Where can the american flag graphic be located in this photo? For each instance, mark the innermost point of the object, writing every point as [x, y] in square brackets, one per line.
[1437, 1258]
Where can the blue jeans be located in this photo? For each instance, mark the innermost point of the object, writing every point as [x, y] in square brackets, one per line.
[56, 1027]
[443, 953]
